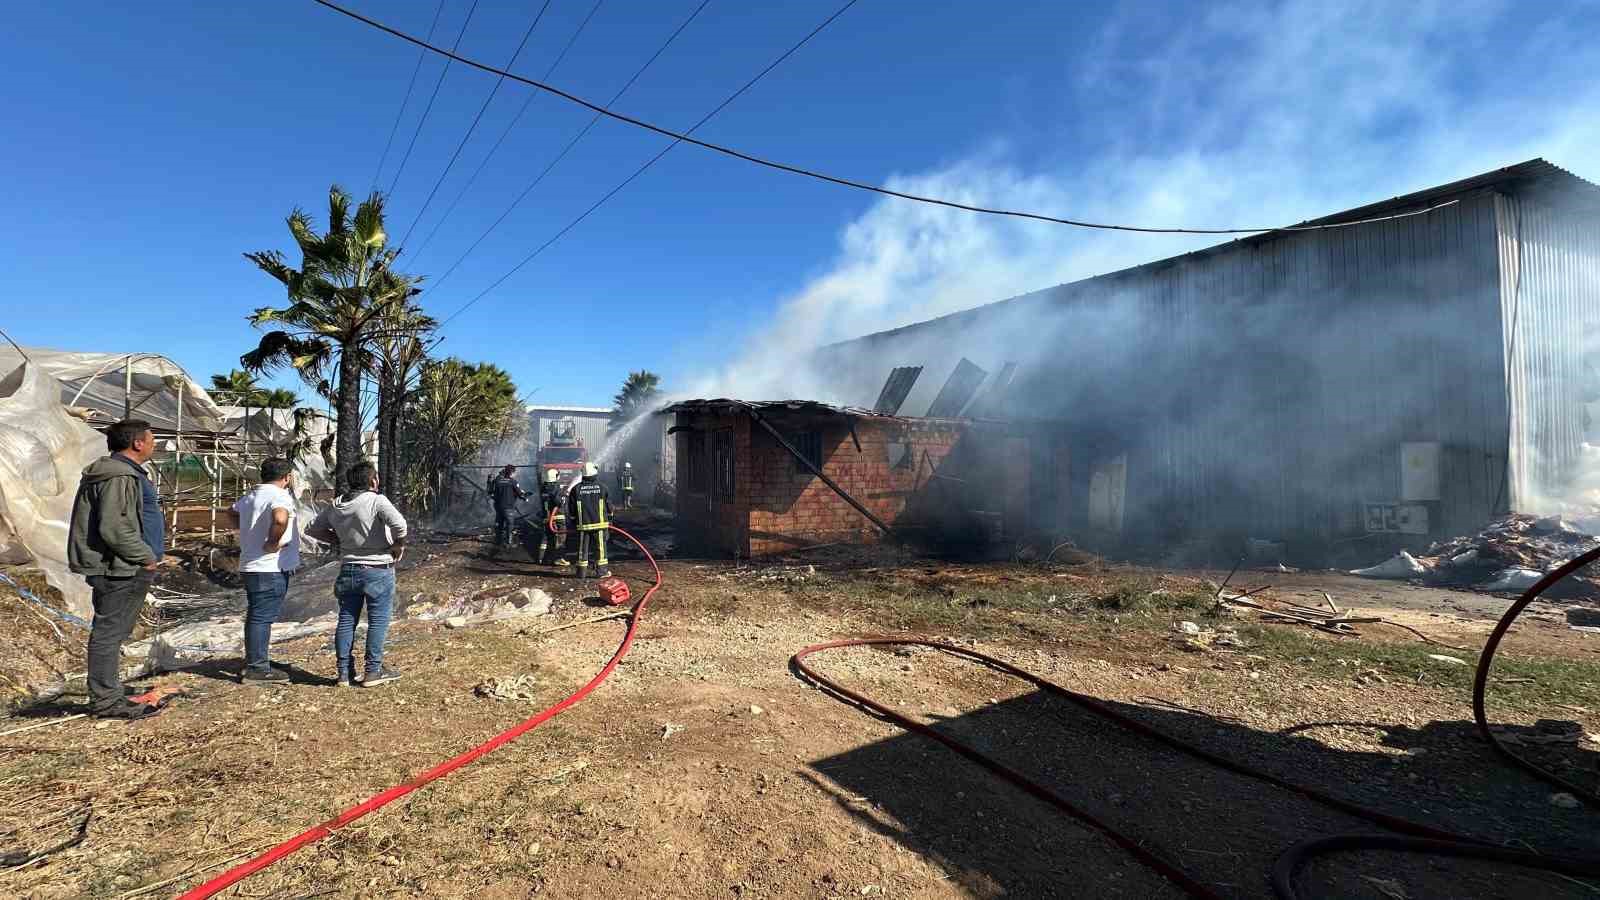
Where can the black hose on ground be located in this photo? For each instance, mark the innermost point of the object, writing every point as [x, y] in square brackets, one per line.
[1411, 837]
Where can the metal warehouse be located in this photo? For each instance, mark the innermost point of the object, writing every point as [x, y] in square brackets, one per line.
[1413, 372]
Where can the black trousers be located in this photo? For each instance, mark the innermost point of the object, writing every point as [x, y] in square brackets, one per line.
[117, 602]
[502, 527]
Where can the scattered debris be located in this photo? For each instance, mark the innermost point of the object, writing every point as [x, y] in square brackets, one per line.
[1402, 566]
[1513, 580]
[1565, 801]
[489, 605]
[1509, 554]
[1389, 887]
[1447, 660]
[668, 730]
[756, 710]
[507, 687]
[1197, 639]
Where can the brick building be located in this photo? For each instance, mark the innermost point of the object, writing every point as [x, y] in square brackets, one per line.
[741, 492]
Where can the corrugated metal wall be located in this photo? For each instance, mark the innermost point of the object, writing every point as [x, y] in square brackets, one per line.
[1550, 295]
[1262, 387]
[591, 426]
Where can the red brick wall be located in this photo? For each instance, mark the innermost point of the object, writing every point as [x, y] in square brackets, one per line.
[778, 506]
[789, 509]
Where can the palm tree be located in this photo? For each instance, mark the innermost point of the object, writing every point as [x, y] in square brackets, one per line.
[345, 281]
[280, 398]
[458, 408]
[641, 388]
[237, 389]
[397, 352]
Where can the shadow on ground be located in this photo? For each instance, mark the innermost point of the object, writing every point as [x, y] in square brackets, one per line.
[1225, 829]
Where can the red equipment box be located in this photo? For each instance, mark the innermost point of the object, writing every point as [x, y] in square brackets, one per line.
[613, 590]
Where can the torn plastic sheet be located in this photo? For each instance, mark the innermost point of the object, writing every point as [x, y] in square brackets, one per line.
[1402, 566]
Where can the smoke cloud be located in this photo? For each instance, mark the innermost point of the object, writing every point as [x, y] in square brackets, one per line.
[1254, 114]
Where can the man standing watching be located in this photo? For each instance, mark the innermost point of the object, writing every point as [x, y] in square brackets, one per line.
[116, 540]
[269, 552]
[371, 535]
[505, 492]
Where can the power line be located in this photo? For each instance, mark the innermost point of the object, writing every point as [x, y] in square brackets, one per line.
[436, 85]
[526, 35]
[684, 137]
[509, 126]
[572, 143]
[654, 159]
[394, 128]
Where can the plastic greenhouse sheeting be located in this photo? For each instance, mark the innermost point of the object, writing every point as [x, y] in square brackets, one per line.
[43, 451]
[97, 383]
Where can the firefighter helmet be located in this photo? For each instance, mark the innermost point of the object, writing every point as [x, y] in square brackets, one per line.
[551, 476]
[628, 466]
[590, 470]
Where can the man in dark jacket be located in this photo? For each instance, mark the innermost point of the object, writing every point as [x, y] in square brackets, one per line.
[115, 540]
[505, 492]
[589, 513]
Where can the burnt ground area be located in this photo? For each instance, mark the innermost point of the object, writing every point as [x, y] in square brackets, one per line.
[704, 768]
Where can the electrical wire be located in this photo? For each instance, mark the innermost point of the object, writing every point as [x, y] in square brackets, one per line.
[526, 36]
[406, 101]
[565, 150]
[792, 169]
[473, 178]
[432, 97]
[652, 160]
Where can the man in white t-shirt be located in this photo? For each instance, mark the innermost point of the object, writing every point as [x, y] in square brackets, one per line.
[269, 552]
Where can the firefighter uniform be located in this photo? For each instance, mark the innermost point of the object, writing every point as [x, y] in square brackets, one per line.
[625, 485]
[550, 530]
[589, 512]
[505, 492]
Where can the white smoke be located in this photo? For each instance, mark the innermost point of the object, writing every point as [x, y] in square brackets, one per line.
[1250, 115]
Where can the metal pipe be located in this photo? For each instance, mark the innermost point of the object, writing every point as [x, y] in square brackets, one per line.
[177, 465]
[832, 485]
[127, 388]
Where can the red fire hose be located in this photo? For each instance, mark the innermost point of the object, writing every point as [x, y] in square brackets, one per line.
[304, 839]
[1410, 836]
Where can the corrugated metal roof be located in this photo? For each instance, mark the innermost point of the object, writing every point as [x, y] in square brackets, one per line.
[534, 409]
[895, 389]
[957, 389]
[1537, 178]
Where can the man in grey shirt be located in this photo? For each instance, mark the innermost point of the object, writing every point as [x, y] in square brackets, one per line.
[371, 535]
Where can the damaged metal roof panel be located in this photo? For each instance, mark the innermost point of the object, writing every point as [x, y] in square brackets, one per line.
[730, 405]
[896, 388]
[957, 390]
[988, 404]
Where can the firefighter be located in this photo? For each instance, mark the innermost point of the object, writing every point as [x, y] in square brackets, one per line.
[625, 484]
[550, 530]
[589, 513]
[505, 492]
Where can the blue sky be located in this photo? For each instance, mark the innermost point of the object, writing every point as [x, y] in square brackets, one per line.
[149, 146]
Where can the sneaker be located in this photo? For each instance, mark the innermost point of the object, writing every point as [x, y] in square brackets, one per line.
[562, 563]
[257, 676]
[605, 571]
[383, 675]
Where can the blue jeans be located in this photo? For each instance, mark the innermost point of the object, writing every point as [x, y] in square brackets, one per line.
[264, 593]
[357, 587]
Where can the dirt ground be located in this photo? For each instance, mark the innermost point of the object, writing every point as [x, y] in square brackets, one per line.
[705, 768]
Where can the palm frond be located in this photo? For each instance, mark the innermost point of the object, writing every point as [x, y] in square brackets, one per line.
[369, 222]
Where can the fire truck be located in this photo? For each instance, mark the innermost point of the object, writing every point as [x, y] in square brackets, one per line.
[563, 451]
